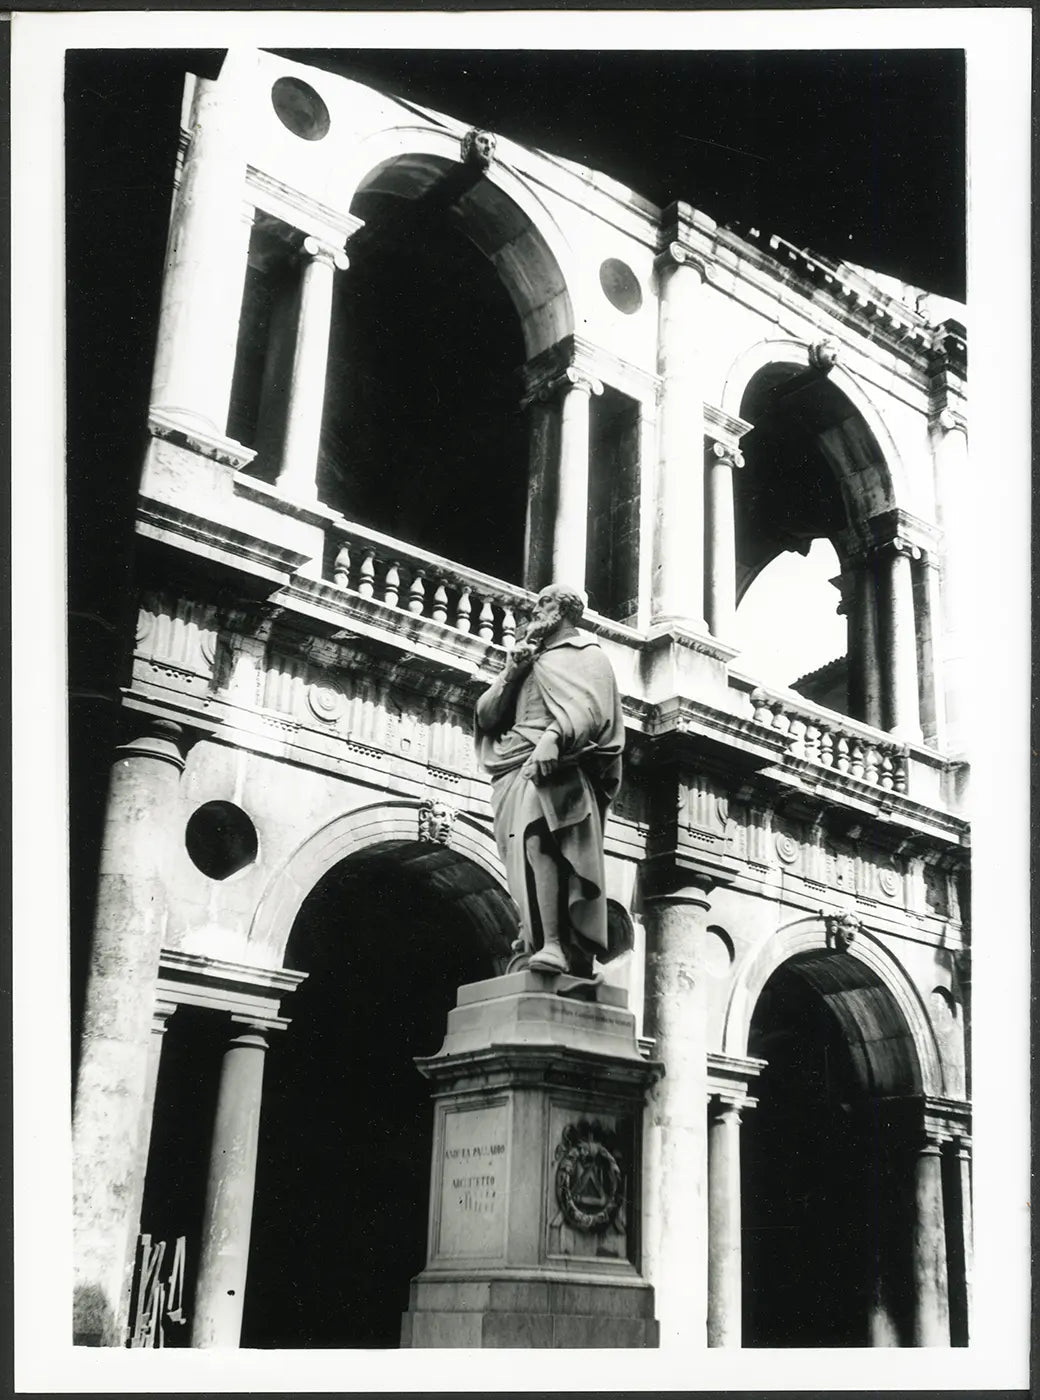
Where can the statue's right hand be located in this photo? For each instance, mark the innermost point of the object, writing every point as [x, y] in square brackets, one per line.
[519, 659]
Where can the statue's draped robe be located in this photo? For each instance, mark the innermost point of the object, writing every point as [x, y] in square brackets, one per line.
[570, 688]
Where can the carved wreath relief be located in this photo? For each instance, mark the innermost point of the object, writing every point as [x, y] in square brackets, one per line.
[590, 1186]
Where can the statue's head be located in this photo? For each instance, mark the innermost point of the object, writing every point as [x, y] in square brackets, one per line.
[562, 600]
[557, 606]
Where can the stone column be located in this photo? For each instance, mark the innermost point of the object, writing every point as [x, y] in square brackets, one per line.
[205, 269]
[112, 1118]
[721, 600]
[724, 1269]
[931, 1315]
[675, 1201]
[867, 641]
[543, 455]
[933, 718]
[678, 567]
[570, 527]
[298, 473]
[954, 498]
[901, 690]
[959, 1250]
[228, 1213]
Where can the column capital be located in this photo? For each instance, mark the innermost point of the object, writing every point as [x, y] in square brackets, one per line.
[930, 1144]
[249, 1025]
[570, 379]
[325, 253]
[948, 420]
[675, 255]
[727, 1108]
[899, 544]
[152, 737]
[692, 896]
[723, 454]
[899, 530]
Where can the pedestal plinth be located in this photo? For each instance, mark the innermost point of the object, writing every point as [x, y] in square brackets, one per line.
[534, 1237]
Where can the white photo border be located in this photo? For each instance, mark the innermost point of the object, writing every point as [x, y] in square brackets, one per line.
[997, 42]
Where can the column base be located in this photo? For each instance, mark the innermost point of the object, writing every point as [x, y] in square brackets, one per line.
[530, 1313]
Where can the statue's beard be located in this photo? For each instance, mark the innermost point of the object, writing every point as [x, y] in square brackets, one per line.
[538, 632]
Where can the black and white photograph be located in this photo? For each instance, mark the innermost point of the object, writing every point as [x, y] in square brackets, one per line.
[541, 610]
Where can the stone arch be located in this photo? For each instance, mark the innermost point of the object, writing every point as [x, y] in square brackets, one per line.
[885, 484]
[899, 1041]
[378, 825]
[501, 215]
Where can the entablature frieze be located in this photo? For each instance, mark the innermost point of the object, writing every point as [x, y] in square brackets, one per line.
[249, 994]
[701, 816]
[892, 529]
[730, 1078]
[723, 427]
[299, 211]
[573, 352]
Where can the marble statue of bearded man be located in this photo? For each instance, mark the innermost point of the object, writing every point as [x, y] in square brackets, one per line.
[550, 733]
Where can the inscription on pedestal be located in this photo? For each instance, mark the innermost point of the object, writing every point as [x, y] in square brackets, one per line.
[473, 1184]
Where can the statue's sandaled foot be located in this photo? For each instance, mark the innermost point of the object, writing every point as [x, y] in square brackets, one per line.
[548, 960]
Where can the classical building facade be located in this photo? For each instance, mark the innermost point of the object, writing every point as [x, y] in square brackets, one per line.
[297, 867]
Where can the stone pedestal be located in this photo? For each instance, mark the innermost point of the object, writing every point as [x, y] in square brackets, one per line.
[535, 1194]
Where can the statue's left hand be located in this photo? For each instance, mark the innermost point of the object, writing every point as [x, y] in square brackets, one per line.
[544, 760]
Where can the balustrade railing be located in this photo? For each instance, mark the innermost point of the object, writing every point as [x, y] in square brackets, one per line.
[423, 585]
[825, 740]
[409, 579]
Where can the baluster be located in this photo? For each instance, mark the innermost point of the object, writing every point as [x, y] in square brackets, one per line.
[439, 612]
[887, 779]
[486, 621]
[826, 747]
[841, 754]
[341, 567]
[367, 574]
[463, 620]
[761, 709]
[872, 757]
[781, 722]
[796, 737]
[812, 743]
[901, 765]
[417, 593]
[508, 628]
[856, 755]
[392, 585]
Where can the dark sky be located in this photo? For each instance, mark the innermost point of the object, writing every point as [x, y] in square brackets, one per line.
[859, 155]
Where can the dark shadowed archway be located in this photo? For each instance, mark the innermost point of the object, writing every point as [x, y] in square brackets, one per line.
[339, 1225]
[827, 1161]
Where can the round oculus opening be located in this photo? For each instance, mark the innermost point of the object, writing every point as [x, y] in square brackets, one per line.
[620, 286]
[300, 109]
[220, 839]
